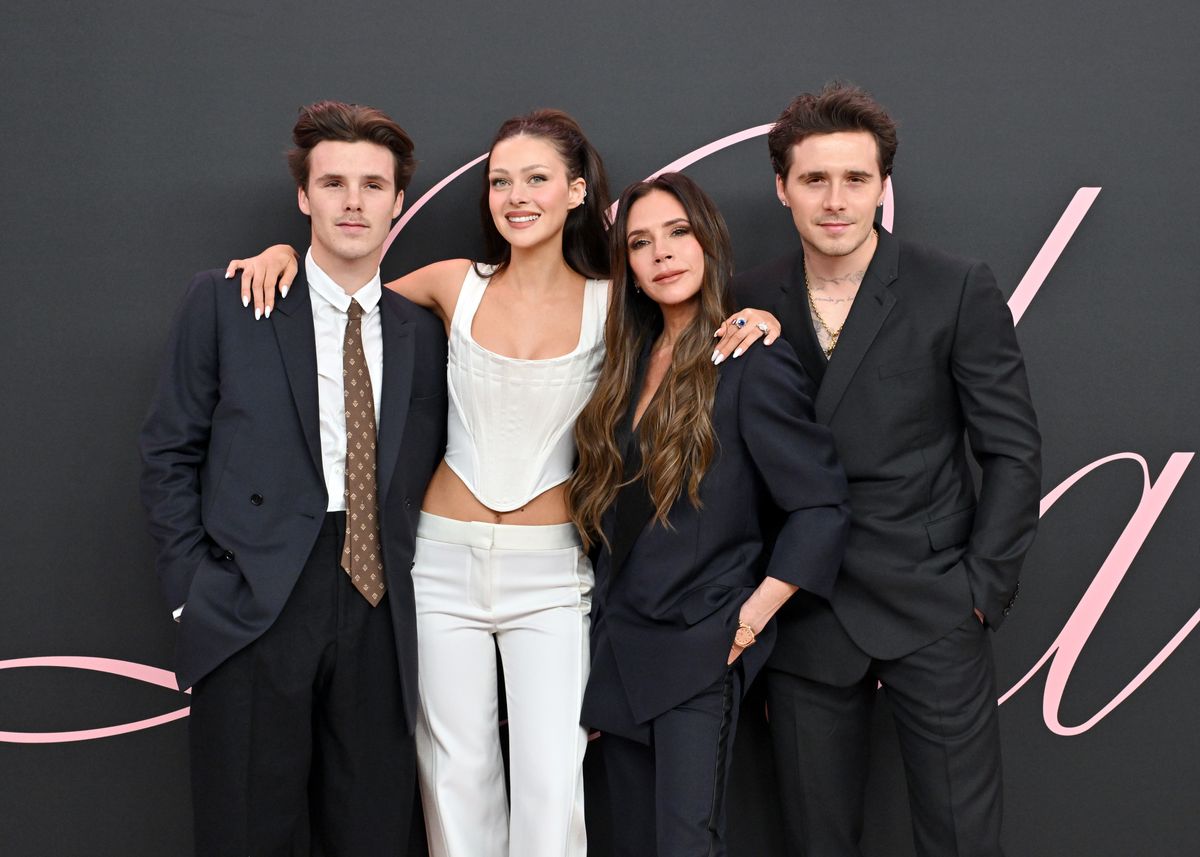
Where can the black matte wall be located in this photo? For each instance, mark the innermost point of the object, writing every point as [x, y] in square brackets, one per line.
[143, 141]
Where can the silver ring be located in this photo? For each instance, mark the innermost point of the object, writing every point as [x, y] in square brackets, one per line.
[762, 325]
[739, 323]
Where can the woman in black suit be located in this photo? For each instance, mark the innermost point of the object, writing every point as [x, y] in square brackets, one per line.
[711, 496]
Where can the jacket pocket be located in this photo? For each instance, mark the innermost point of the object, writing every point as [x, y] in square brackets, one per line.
[891, 370]
[703, 602]
[953, 529]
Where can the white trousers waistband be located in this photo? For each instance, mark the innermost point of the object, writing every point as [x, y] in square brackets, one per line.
[478, 534]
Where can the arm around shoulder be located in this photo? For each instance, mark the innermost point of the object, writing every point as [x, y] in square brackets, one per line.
[434, 286]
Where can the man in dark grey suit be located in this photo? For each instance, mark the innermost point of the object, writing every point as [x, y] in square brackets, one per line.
[914, 354]
[284, 467]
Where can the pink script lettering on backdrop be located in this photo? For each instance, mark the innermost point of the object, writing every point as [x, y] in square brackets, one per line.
[1062, 654]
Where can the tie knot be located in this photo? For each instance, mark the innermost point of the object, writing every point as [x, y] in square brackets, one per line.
[355, 311]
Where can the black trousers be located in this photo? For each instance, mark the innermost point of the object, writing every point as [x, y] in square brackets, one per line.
[943, 699]
[668, 797]
[298, 742]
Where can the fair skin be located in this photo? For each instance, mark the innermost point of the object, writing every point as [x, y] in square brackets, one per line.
[833, 185]
[532, 310]
[832, 189]
[668, 266]
[351, 198]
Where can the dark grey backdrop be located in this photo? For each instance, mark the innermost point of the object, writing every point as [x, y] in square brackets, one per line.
[142, 141]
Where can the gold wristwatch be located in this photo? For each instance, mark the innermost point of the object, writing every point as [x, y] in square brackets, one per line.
[745, 637]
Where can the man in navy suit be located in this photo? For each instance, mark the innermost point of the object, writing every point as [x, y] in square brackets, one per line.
[914, 355]
[284, 467]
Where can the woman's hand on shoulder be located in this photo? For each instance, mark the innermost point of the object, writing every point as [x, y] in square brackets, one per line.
[743, 329]
[435, 286]
[277, 265]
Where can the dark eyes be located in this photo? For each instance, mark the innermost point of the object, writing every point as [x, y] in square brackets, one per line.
[676, 232]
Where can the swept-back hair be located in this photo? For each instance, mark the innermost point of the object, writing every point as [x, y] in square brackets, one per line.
[348, 123]
[676, 432]
[837, 107]
[585, 248]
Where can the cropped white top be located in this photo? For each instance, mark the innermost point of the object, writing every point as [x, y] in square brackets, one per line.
[510, 425]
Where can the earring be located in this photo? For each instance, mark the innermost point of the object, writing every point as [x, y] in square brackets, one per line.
[783, 202]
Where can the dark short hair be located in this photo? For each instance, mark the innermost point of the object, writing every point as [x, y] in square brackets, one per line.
[585, 245]
[348, 123]
[837, 107]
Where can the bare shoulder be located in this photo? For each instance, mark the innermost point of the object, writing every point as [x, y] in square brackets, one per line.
[434, 286]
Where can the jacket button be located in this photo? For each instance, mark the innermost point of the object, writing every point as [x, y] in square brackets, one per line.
[407, 503]
[1007, 610]
[256, 499]
[227, 556]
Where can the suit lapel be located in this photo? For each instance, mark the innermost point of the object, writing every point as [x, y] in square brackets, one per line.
[797, 321]
[293, 325]
[633, 505]
[871, 307]
[398, 348]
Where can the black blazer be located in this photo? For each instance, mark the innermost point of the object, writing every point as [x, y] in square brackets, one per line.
[232, 478]
[928, 354]
[666, 601]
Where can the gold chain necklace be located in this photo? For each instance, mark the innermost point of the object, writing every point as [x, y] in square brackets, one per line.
[832, 334]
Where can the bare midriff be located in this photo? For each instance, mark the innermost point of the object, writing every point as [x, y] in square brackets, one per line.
[448, 497]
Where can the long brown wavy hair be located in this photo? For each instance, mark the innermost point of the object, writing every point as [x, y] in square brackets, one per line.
[675, 433]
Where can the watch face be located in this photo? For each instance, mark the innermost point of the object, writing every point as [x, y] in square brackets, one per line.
[744, 637]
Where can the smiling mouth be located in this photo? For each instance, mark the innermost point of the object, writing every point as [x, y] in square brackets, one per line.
[521, 218]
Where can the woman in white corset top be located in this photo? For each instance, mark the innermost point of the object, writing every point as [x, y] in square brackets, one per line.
[498, 562]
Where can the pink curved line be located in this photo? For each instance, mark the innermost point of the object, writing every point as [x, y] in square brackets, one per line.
[1039, 269]
[712, 148]
[420, 203]
[109, 666]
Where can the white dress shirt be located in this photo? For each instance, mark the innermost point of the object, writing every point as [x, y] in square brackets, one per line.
[330, 307]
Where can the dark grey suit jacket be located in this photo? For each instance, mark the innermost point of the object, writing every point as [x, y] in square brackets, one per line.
[928, 359]
[232, 478]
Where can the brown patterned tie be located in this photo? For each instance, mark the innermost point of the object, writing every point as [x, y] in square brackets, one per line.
[362, 557]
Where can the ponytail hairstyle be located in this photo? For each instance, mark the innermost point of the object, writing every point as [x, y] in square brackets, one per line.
[585, 248]
[676, 431]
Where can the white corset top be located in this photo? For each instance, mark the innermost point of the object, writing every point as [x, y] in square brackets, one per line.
[510, 426]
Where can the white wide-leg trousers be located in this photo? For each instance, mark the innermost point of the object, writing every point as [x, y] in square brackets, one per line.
[527, 590]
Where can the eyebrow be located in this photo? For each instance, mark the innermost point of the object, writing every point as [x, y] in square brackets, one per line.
[369, 178]
[817, 174]
[666, 223]
[523, 169]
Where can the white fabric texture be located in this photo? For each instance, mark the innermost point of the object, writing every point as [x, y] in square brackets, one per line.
[526, 589]
[510, 421]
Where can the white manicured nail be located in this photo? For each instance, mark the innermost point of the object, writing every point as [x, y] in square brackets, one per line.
[737, 352]
[283, 290]
[245, 300]
[719, 359]
[257, 313]
[268, 312]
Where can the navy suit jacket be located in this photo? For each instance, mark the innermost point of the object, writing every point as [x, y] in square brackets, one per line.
[666, 602]
[232, 478]
[928, 359]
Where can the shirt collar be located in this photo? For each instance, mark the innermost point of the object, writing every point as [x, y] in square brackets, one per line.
[322, 284]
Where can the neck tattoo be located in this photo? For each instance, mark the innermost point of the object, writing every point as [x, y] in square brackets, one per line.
[852, 279]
